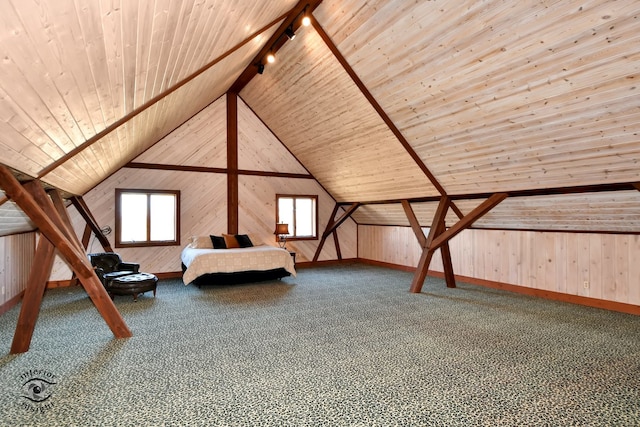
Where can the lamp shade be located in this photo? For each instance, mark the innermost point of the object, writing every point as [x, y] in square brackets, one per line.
[282, 229]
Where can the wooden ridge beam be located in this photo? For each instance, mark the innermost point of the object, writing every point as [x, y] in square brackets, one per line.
[292, 18]
[76, 259]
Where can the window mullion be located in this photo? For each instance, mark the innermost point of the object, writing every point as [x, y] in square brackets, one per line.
[148, 217]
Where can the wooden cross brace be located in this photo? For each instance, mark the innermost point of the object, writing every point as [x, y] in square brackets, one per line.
[56, 233]
[439, 236]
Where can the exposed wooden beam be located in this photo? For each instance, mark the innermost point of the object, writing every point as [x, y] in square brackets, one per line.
[637, 186]
[597, 188]
[449, 276]
[232, 163]
[33, 293]
[80, 205]
[337, 244]
[76, 259]
[333, 224]
[415, 224]
[324, 234]
[63, 215]
[131, 115]
[157, 166]
[276, 41]
[374, 103]
[469, 219]
[436, 229]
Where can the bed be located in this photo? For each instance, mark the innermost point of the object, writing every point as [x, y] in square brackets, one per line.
[202, 264]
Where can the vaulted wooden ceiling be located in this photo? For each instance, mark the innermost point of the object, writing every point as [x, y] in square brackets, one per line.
[381, 100]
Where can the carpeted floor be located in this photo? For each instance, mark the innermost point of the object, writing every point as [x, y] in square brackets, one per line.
[336, 346]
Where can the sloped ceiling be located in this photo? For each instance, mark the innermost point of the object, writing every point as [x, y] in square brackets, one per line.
[380, 100]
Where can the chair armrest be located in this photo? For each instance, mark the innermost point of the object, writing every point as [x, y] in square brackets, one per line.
[129, 266]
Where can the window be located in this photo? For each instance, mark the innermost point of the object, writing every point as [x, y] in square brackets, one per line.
[147, 218]
[301, 213]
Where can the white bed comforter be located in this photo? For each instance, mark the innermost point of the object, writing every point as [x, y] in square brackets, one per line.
[255, 258]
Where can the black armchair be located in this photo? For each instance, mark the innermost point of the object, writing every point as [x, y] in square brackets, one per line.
[109, 265]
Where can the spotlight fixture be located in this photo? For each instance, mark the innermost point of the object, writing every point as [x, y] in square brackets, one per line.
[289, 33]
[271, 58]
[260, 66]
[306, 21]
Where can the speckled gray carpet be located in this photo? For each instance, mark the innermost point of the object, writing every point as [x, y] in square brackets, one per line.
[336, 346]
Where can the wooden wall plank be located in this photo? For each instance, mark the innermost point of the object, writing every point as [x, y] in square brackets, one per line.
[558, 262]
[16, 258]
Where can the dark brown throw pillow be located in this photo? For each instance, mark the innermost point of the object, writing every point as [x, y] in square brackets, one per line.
[218, 242]
[244, 241]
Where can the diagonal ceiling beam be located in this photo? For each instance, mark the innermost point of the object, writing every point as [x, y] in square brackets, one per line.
[150, 103]
[468, 220]
[86, 214]
[415, 224]
[347, 67]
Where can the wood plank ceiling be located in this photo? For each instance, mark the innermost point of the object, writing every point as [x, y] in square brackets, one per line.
[381, 100]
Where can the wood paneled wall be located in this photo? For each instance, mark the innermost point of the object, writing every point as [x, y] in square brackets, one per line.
[16, 258]
[602, 266]
[201, 143]
[257, 215]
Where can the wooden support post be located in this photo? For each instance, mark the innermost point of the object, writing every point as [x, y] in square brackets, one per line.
[324, 234]
[33, 293]
[76, 259]
[332, 225]
[232, 163]
[337, 243]
[427, 251]
[439, 237]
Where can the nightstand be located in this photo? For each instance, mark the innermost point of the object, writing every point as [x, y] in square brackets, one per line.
[293, 255]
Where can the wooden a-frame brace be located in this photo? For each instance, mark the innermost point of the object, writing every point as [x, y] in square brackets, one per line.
[332, 226]
[439, 236]
[56, 233]
[92, 224]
